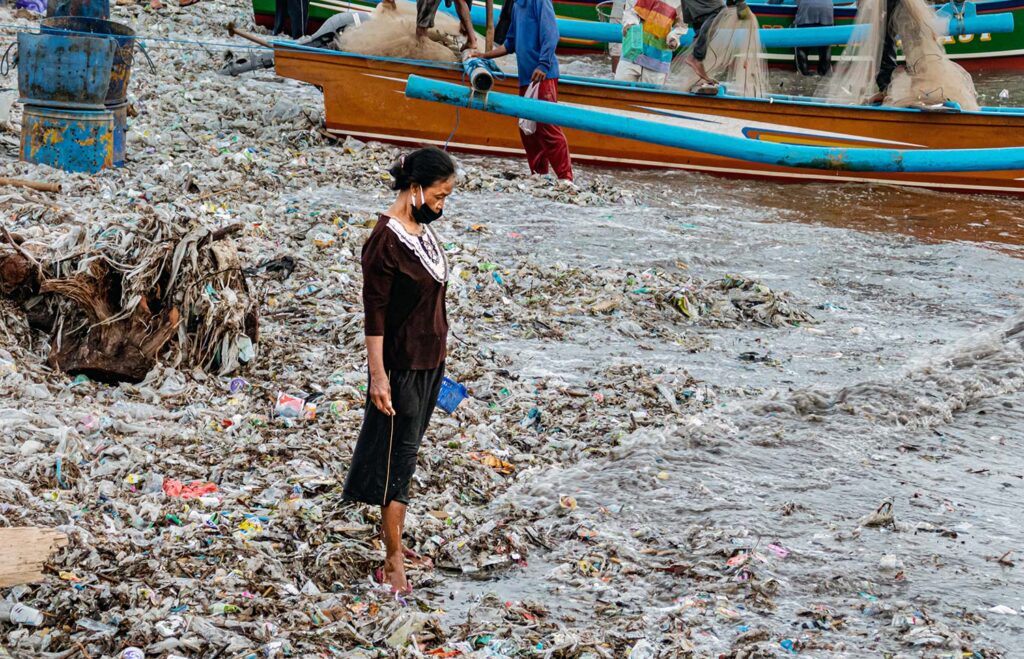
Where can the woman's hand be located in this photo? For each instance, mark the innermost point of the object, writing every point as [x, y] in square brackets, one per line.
[380, 393]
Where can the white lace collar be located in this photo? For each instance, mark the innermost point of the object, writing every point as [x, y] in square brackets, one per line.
[426, 247]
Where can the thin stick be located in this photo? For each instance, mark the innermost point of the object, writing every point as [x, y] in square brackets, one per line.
[34, 185]
[489, 40]
[234, 31]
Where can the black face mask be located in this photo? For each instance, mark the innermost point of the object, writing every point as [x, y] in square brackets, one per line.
[423, 213]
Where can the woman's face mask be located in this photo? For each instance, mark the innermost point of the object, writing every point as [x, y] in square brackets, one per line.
[423, 213]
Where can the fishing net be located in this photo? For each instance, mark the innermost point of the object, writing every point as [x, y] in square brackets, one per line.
[853, 78]
[734, 57]
[392, 33]
[929, 76]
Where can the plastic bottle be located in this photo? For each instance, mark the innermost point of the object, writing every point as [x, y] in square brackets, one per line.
[19, 614]
[293, 501]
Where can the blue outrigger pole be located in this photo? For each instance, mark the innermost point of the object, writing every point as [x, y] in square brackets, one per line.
[727, 146]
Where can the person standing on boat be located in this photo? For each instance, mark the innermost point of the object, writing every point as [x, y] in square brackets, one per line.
[533, 37]
[887, 65]
[814, 13]
[661, 22]
[700, 14]
[618, 8]
[295, 13]
[426, 10]
[405, 275]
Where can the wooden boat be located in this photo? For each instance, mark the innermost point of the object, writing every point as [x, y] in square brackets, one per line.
[321, 10]
[975, 52]
[364, 98]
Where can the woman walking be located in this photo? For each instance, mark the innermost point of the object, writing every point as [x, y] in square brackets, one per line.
[404, 282]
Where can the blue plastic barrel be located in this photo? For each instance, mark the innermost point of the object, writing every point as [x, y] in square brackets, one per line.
[451, 394]
[87, 8]
[117, 92]
[120, 113]
[63, 70]
[72, 140]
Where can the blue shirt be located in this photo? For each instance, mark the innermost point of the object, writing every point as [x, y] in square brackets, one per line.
[533, 36]
[814, 12]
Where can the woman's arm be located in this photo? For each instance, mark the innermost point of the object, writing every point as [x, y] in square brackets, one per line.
[380, 385]
[378, 273]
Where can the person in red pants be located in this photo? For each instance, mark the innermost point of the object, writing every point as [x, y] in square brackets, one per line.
[533, 36]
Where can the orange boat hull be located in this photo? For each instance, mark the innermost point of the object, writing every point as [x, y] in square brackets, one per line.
[364, 97]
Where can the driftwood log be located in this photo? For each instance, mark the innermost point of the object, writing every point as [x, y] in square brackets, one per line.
[114, 347]
[110, 344]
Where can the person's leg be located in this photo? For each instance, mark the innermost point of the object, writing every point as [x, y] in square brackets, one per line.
[280, 14]
[466, 19]
[426, 10]
[888, 63]
[535, 156]
[700, 42]
[652, 77]
[824, 60]
[801, 62]
[392, 524]
[695, 58]
[429, 386]
[628, 71]
[552, 139]
[298, 16]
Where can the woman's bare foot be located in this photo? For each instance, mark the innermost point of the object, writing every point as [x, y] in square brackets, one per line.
[394, 575]
[416, 560]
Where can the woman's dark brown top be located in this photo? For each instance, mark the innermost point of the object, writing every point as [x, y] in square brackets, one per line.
[404, 283]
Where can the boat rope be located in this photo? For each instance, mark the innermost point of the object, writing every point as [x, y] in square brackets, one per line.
[4, 27]
[454, 128]
[958, 13]
[5, 63]
[488, 64]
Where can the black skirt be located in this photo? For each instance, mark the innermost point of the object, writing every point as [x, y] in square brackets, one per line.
[384, 459]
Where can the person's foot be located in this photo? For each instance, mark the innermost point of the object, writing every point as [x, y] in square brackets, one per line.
[698, 68]
[394, 576]
[417, 560]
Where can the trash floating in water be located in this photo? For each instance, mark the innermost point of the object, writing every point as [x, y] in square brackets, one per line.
[883, 516]
[273, 562]
[451, 395]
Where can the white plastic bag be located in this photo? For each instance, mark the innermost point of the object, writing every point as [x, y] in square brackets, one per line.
[528, 126]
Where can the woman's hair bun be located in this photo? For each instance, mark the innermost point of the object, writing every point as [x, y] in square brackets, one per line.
[401, 178]
[425, 167]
